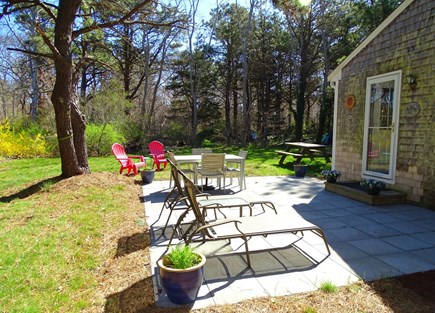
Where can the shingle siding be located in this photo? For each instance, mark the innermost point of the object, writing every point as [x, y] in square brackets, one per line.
[407, 44]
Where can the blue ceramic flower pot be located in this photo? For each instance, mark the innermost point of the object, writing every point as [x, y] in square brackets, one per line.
[300, 170]
[181, 285]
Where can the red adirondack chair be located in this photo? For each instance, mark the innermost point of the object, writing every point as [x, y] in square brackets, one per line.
[127, 161]
[157, 151]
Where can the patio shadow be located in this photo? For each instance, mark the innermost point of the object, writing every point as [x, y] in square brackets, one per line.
[133, 243]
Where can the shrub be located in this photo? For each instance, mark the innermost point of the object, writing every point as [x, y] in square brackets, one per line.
[182, 257]
[328, 287]
[100, 138]
[24, 141]
[176, 132]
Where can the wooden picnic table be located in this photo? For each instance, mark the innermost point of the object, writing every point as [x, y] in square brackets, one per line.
[304, 149]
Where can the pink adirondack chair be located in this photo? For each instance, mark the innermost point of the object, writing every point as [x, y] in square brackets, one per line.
[157, 151]
[127, 161]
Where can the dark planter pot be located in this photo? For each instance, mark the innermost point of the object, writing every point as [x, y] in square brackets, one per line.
[331, 179]
[181, 285]
[147, 176]
[300, 170]
[373, 191]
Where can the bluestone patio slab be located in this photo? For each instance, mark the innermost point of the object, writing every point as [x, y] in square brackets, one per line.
[370, 268]
[428, 224]
[374, 246]
[428, 237]
[382, 218]
[348, 234]
[425, 254]
[327, 223]
[286, 284]
[348, 251]
[377, 230]
[407, 243]
[407, 227]
[406, 263]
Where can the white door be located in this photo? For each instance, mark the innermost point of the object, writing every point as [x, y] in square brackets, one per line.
[381, 126]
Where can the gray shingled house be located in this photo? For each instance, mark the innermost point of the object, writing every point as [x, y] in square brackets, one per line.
[384, 111]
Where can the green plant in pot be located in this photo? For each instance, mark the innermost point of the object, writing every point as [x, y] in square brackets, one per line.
[331, 176]
[181, 273]
[372, 186]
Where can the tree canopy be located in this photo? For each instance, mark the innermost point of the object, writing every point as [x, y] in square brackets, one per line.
[152, 70]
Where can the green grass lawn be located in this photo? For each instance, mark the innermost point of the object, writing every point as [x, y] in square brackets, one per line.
[260, 162]
[263, 162]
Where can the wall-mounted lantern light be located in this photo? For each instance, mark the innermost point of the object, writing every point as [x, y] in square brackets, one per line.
[412, 82]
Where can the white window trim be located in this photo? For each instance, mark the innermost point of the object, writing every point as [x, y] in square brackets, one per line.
[397, 77]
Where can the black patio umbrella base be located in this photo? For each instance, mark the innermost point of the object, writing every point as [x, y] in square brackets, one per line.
[206, 187]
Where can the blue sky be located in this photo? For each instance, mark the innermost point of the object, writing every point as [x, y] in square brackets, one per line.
[205, 6]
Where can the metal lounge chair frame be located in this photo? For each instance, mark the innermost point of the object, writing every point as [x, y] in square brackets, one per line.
[176, 198]
[243, 228]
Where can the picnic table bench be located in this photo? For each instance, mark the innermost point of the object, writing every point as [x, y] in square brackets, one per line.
[305, 149]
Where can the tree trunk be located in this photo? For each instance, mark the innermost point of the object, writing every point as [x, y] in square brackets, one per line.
[79, 130]
[301, 86]
[63, 91]
[146, 50]
[323, 101]
[193, 87]
[228, 85]
[33, 61]
[245, 99]
[235, 112]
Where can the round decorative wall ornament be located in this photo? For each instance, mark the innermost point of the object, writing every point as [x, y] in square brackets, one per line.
[350, 101]
[412, 109]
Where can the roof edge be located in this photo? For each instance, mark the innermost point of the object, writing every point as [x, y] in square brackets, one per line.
[336, 73]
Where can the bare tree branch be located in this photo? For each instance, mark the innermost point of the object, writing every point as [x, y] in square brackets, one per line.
[123, 20]
[45, 55]
[29, 4]
[48, 42]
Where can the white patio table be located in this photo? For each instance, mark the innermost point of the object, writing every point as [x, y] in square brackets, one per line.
[196, 159]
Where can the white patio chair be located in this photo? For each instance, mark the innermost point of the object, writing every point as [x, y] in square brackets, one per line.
[212, 166]
[233, 168]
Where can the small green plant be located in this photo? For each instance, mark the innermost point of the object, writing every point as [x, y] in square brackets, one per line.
[182, 257]
[372, 184]
[331, 174]
[46, 186]
[328, 287]
[310, 310]
[355, 288]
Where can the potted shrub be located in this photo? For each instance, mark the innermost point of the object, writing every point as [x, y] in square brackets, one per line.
[372, 186]
[331, 176]
[300, 170]
[181, 274]
[147, 176]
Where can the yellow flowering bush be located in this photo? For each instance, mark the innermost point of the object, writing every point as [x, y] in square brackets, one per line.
[20, 144]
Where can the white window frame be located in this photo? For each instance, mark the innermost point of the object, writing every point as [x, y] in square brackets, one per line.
[397, 77]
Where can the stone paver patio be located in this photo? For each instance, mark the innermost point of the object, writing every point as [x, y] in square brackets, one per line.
[367, 242]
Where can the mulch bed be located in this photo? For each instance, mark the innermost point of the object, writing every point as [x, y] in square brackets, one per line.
[422, 283]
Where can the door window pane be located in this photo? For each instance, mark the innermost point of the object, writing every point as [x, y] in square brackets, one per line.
[381, 126]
